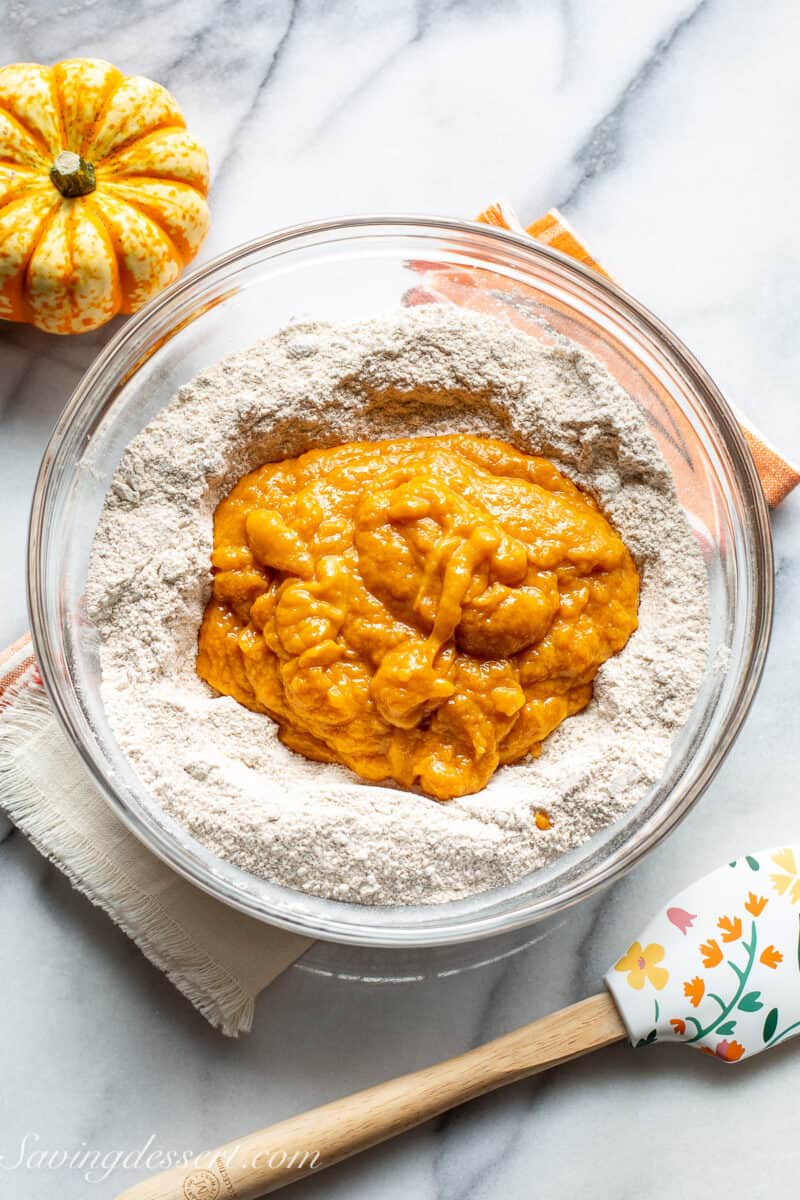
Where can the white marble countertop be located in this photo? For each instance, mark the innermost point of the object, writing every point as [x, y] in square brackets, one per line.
[666, 131]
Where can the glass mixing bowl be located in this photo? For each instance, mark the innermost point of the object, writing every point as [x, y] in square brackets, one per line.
[341, 271]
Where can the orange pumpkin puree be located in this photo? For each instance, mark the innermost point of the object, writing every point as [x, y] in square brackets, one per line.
[421, 610]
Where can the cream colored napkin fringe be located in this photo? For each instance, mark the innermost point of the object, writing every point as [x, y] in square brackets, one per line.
[219, 958]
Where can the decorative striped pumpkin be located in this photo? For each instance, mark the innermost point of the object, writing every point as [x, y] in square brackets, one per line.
[102, 193]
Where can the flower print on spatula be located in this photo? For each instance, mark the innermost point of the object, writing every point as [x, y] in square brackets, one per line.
[720, 968]
[641, 966]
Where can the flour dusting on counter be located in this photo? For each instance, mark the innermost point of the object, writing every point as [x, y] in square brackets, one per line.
[220, 769]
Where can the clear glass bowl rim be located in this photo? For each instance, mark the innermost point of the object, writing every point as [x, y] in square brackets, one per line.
[755, 518]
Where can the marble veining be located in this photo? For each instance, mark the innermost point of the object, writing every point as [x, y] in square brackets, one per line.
[665, 131]
[599, 151]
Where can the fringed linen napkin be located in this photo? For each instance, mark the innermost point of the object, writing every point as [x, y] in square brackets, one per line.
[219, 958]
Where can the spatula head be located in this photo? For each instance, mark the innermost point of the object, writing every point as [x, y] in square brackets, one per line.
[719, 966]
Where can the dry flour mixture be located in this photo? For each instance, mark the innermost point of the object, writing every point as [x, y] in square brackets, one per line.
[220, 769]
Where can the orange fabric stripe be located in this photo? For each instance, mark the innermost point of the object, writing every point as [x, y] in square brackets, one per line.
[502, 216]
[10, 651]
[12, 677]
[15, 660]
[553, 230]
[778, 477]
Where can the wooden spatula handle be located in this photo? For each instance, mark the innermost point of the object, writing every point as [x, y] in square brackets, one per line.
[272, 1158]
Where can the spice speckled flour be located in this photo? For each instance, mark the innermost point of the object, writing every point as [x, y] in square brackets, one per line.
[220, 769]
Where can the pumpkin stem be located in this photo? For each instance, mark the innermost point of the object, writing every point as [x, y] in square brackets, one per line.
[72, 175]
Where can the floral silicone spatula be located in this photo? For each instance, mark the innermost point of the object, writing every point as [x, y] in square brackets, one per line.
[716, 968]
